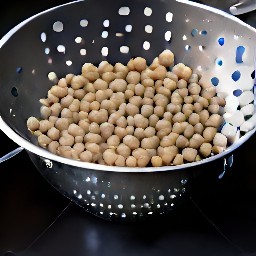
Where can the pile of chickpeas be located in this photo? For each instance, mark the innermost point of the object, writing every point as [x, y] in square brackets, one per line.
[134, 115]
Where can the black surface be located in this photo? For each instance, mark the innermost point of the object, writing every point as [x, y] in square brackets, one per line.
[219, 218]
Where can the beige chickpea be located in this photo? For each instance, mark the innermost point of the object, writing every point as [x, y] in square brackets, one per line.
[113, 117]
[79, 139]
[168, 116]
[169, 140]
[139, 133]
[130, 65]
[150, 132]
[45, 112]
[95, 105]
[53, 119]
[159, 111]
[139, 89]
[92, 138]
[53, 147]
[84, 124]
[183, 92]
[162, 124]
[176, 99]
[113, 141]
[178, 160]
[140, 121]
[198, 107]
[128, 94]
[208, 93]
[199, 128]
[106, 130]
[182, 142]
[169, 153]
[104, 67]
[131, 87]
[98, 117]
[131, 141]
[121, 122]
[79, 147]
[156, 161]
[62, 83]
[130, 120]
[75, 118]
[110, 157]
[71, 91]
[181, 84]
[132, 109]
[92, 147]
[33, 124]
[141, 156]
[118, 85]
[51, 98]
[194, 118]
[214, 120]
[182, 71]
[65, 151]
[166, 58]
[153, 119]
[189, 131]
[154, 64]
[123, 150]
[179, 117]
[218, 101]
[187, 109]
[66, 101]
[147, 82]
[120, 132]
[45, 125]
[209, 134]
[204, 102]
[140, 64]
[53, 133]
[75, 130]
[66, 113]
[67, 140]
[78, 82]
[58, 91]
[75, 105]
[172, 76]
[147, 110]
[189, 154]
[89, 87]
[55, 109]
[214, 109]
[118, 98]
[164, 132]
[204, 116]
[163, 91]
[196, 141]
[194, 88]
[108, 77]
[120, 161]
[86, 156]
[205, 149]
[188, 99]
[173, 108]
[170, 84]
[133, 77]
[217, 150]
[82, 115]
[159, 73]
[43, 140]
[152, 142]
[131, 161]
[119, 67]
[45, 102]
[149, 92]
[100, 84]
[68, 78]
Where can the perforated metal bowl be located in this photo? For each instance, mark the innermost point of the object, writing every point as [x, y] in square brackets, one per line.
[62, 39]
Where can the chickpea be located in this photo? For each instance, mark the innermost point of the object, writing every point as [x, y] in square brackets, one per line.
[53, 119]
[86, 156]
[153, 119]
[183, 92]
[45, 112]
[78, 82]
[55, 109]
[147, 110]
[152, 142]
[123, 150]
[110, 156]
[45, 125]
[45, 102]
[92, 138]
[188, 99]
[169, 153]
[217, 150]
[33, 124]
[214, 120]
[168, 116]
[65, 151]
[75, 130]
[196, 141]
[154, 64]
[172, 76]
[68, 78]
[130, 120]
[84, 124]
[66, 140]
[139, 89]
[131, 141]
[182, 84]
[106, 130]
[79, 147]
[79, 139]
[204, 116]
[204, 102]
[218, 101]
[209, 134]
[187, 109]
[208, 93]
[140, 64]
[119, 67]
[170, 84]
[176, 99]
[194, 88]
[53, 147]
[132, 109]
[58, 91]
[120, 161]
[166, 58]
[220, 140]
[89, 88]
[169, 140]
[44, 140]
[179, 117]
[113, 141]
[118, 85]
[104, 67]
[194, 118]
[139, 133]
[66, 101]
[199, 128]
[198, 107]
[133, 77]
[141, 156]
[98, 117]
[51, 98]
[159, 111]
[149, 132]
[182, 71]
[128, 94]
[156, 161]
[205, 149]
[182, 142]
[140, 121]
[189, 131]
[108, 77]
[159, 73]
[147, 101]
[131, 161]
[189, 154]
[53, 133]
[75, 105]
[173, 108]
[178, 160]
[92, 147]
[120, 132]
[147, 82]
[214, 109]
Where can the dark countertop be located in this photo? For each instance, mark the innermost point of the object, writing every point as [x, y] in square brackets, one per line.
[219, 218]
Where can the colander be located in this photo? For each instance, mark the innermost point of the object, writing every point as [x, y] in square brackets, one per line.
[58, 41]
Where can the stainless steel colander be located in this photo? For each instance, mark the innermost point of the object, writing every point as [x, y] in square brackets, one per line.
[60, 40]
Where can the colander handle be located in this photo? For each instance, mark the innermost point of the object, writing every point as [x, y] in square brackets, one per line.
[242, 7]
[11, 154]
